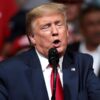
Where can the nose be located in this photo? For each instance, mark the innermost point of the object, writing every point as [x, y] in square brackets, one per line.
[54, 30]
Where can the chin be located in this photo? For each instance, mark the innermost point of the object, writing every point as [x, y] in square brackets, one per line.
[61, 51]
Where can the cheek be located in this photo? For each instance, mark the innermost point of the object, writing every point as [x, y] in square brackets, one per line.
[42, 40]
[64, 34]
[64, 40]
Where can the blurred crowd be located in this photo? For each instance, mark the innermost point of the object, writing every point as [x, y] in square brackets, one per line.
[83, 18]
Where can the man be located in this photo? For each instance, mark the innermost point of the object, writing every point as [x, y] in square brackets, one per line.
[27, 76]
[90, 29]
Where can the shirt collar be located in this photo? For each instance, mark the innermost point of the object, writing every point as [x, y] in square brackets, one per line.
[44, 61]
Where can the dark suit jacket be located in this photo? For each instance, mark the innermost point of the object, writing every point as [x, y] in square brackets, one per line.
[75, 48]
[21, 78]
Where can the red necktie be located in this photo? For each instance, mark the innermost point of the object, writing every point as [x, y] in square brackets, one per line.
[59, 90]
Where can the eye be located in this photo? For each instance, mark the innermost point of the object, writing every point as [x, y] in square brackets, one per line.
[46, 26]
[59, 23]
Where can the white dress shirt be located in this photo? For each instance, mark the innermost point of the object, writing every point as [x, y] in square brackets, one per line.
[95, 54]
[47, 72]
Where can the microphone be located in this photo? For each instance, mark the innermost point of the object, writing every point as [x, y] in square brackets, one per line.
[53, 57]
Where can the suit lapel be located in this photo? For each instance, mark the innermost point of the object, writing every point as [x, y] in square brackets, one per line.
[39, 88]
[35, 77]
[70, 78]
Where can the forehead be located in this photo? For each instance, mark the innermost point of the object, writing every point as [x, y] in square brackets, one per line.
[49, 18]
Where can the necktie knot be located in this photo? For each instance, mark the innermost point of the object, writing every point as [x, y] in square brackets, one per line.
[52, 66]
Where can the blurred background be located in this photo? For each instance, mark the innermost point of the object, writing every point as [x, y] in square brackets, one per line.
[83, 23]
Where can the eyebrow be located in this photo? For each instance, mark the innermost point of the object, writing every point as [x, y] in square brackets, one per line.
[46, 24]
[49, 23]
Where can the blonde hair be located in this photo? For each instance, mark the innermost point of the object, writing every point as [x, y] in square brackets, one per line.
[42, 10]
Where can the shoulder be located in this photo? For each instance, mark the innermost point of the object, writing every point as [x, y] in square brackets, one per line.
[17, 66]
[81, 57]
[84, 64]
[17, 62]
[83, 61]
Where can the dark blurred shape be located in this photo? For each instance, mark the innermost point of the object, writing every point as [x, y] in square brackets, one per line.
[18, 25]
[90, 23]
[88, 9]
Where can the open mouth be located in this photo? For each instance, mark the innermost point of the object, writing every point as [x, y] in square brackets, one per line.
[56, 43]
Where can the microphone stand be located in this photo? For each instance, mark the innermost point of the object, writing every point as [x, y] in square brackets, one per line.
[53, 56]
[54, 84]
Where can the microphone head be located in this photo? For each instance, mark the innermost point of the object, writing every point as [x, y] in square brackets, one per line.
[53, 56]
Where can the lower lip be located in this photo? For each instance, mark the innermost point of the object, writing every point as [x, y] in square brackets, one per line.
[56, 45]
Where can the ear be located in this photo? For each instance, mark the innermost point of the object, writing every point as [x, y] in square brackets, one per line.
[32, 40]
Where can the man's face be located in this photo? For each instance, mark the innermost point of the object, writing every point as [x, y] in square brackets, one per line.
[50, 31]
[91, 27]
